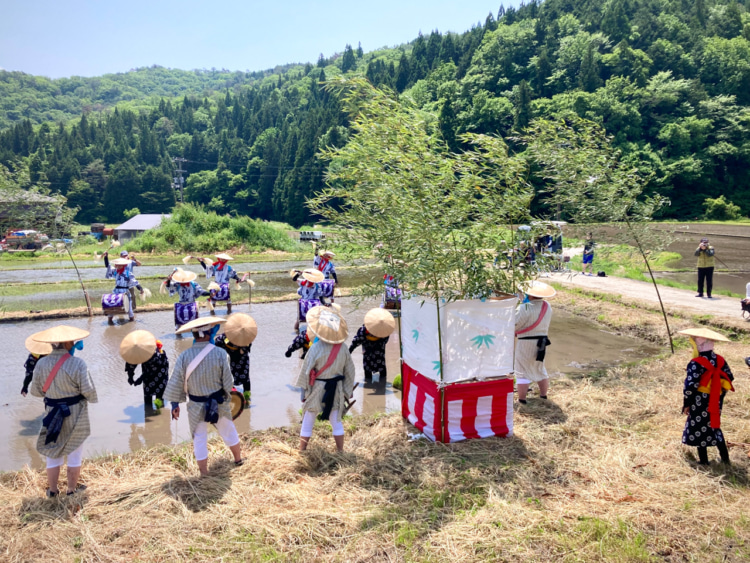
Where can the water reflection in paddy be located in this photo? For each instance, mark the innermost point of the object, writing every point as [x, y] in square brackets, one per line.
[119, 422]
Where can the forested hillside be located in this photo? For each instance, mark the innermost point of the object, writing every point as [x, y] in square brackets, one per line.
[668, 79]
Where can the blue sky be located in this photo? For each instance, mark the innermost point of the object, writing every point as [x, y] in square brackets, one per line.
[88, 38]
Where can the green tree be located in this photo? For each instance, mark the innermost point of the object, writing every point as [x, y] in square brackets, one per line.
[588, 77]
[720, 209]
[348, 61]
[522, 106]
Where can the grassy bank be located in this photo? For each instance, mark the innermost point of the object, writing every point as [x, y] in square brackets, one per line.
[597, 473]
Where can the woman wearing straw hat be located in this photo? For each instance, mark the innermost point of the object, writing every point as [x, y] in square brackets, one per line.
[327, 375]
[182, 283]
[373, 337]
[322, 262]
[308, 291]
[121, 271]
[36, 350]
[239, 333]
[141, 347]
[532, 325]
[202, 374]
[222, 272]
[67, 388]
[708, 380]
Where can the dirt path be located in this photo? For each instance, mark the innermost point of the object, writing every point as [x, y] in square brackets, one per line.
[684, 300]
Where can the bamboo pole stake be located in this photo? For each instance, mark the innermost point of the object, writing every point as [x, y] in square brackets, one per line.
[85, 293]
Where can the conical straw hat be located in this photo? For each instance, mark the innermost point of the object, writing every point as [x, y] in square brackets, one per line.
[182, 276]
[138, 347]
[241, 329]
[37, 348]
[200, 324]
[314, 276]
[379, 322]
[328, 253]
[61, 333]
[539, 289]
[121, 262]
[705, 333]
[223, 256]
[327, 325]
[336, 307]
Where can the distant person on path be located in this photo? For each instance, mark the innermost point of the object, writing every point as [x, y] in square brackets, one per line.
[532, 326]
[588, 255]
[202, 374]
[67, 388]
[373, 337]
[141, 347]
[327, 375]
[707, 382]
[237, 340]
[124, 254]
[705, 254]
[37, 350]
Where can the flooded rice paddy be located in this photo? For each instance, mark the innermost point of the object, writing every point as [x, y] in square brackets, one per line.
[120, 422]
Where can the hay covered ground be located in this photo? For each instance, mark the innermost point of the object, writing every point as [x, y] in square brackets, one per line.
[595, 474]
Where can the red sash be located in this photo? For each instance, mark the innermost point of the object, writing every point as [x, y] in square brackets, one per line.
[713, 376]
[314, 373]
[545, 306]
[322, 264]
[53, 373]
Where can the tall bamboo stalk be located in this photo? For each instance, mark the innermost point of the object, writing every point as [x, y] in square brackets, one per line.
[85, 293]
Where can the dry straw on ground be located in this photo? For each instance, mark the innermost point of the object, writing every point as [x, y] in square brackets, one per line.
[595, 473]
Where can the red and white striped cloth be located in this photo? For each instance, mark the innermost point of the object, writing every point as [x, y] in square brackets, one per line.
[472, 410]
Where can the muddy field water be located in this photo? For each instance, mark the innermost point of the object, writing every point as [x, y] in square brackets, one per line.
[120, 422]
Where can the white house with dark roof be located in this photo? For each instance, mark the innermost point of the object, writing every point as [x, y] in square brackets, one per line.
[139, 224]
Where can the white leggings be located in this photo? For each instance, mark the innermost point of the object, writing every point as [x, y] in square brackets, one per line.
[308, 421]
[522, 381]
[75, 459]
[226, 430]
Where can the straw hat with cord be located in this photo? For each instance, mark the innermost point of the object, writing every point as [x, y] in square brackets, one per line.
[241, 329]
[60, 333]
[327, 325]
[379, 322]
[138, 347]
[328, 253]
[200, 324]
[121, 262]
[37, 348]
[540, 290]
[702, 339]
[223, 256]
[313, 276]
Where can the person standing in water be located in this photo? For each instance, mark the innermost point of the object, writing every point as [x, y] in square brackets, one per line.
[239, 333]
[63, 381]
[707, 382]
[373, 336]
[37, 350]
[141, 347]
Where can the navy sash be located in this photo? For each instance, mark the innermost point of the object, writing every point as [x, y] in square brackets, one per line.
[541, 343]
[60, 411]
[212, 403]
[328, 395]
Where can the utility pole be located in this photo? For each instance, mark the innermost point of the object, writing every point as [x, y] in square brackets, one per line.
[179, 181]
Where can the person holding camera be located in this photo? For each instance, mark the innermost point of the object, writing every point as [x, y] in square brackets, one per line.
[705, 253]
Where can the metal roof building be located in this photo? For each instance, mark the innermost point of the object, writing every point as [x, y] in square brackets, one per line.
[138, 224]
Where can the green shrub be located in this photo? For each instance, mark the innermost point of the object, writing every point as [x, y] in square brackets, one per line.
[721, 209]
[192, 228]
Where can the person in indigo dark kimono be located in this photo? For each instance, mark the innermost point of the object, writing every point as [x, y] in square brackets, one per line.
[154, 371]
[373, 337]
[301, 341]
[37, 350]
[239, 333]
[707, 382]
